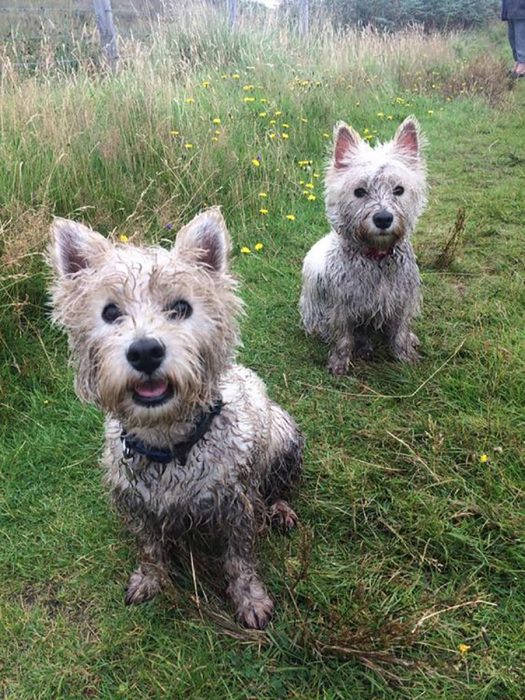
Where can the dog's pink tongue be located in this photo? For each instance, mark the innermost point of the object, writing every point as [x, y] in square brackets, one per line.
[152, 388]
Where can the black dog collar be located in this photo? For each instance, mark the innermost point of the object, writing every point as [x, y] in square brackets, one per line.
[132, 445]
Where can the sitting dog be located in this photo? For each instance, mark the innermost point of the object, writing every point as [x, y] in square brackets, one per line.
[363, 275]
[193, 444]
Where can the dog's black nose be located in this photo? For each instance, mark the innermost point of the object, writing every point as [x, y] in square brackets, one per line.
[383, 219]
[146, 355]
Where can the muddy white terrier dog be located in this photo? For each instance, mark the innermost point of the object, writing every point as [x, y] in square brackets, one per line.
[363, 275]
[193, 443]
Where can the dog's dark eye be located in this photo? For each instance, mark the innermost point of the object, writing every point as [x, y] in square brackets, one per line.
[360, 192]
[398, 191]
[110, 313]
[179, 310]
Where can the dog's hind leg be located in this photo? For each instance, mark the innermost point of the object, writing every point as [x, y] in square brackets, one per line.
[315, 303]
[286, 450]
[283, 516]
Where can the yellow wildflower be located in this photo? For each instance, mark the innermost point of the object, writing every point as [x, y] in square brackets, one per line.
[310, 185]
[272, 122]
[216, 120]
[271, 135]
[255, 162]
[235, 76]
[484, 458]
[263, 211]
[205, 83]
[189, 100]
[430, 111]
[123, 238]
[277, 113]
[285, 136]
[263, 195]
[258, 246]
[326, 135]
[174, 132]
[248, 99]
[304, 120]
[217, 132]
[263, 100]
[189, 146]
[463, 648]
[247, 88]
[380, 114]
[214, 138]
[290, 217]
[245, 250]
[285, 126]
[263, 114]
[311, 197]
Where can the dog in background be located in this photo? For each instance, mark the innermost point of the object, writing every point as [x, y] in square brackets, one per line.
[363, 275]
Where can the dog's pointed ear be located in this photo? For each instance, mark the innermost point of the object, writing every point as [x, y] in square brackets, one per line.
[206, 240]
[346, 142]
[408, 140]
[75, 247]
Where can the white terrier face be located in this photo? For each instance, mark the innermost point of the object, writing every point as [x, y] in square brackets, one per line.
[375, 195]
[151, 330]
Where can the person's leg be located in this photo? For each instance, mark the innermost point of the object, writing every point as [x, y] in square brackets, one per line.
[519, 43]
[512, 39]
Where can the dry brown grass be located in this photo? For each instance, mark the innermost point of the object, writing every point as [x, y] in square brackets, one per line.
[448, 254]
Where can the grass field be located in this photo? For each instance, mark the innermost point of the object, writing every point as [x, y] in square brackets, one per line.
[405, 579]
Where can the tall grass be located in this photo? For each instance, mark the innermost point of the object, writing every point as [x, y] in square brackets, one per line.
[81, 141]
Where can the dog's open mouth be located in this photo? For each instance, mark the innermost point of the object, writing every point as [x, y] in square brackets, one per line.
[152, 392]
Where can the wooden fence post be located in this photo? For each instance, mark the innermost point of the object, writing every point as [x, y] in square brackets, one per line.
[304, 18]
[232, 13]
[106, 28]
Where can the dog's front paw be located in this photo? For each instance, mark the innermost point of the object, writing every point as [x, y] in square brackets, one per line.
[283, 517]
[141, 587]
[404, 346]
[255, 613]
[338, 363]
[253, 606]
[406, 353]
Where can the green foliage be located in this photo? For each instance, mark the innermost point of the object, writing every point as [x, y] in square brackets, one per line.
[385, 14]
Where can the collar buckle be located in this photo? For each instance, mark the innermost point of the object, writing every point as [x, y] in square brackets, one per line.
[127, 450]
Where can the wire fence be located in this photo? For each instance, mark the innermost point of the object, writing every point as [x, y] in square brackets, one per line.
[67, 34]
[62, 34]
